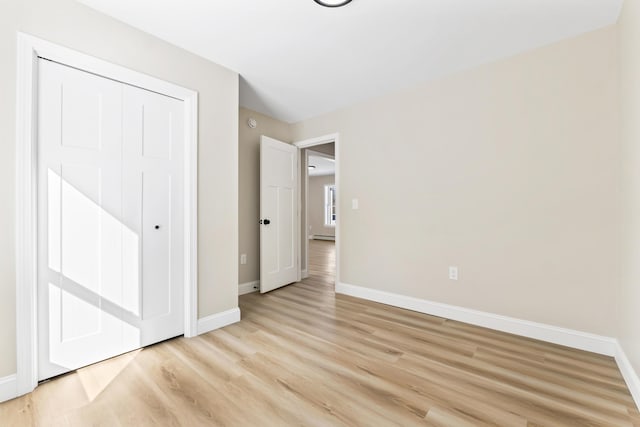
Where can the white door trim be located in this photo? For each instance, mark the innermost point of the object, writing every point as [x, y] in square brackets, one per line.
[306, 143]
[29, 49]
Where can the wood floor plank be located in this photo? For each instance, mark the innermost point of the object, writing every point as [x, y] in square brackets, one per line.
[304, 356]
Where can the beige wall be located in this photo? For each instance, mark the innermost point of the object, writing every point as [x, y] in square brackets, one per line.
[509, 171]
[249, 186]
[316, 205]
[629, 28]
[70, 24]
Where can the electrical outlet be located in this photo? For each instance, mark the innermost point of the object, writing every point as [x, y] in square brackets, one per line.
[243, 259]
[453, 273]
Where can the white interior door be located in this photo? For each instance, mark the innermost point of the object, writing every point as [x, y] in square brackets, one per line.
[279, 236]
[109, 171]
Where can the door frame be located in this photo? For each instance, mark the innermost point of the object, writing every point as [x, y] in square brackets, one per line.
[310, 143]
[29, 49]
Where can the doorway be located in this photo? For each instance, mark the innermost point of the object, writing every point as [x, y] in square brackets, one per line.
[284, 223]
[319, 210]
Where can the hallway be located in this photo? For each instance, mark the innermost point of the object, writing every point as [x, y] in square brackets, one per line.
[322, 263]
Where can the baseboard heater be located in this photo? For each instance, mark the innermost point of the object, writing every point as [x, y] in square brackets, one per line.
[324, 237]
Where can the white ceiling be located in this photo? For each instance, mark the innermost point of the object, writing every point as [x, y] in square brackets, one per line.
[323, 166]
[298, 60]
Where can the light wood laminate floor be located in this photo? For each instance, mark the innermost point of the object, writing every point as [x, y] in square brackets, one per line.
[303, 356]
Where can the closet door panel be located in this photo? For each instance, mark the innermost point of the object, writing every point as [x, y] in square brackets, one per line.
[153, 205]
[79, 210]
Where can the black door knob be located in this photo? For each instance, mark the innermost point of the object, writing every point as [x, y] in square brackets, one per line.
[157, 227]
[267, 222]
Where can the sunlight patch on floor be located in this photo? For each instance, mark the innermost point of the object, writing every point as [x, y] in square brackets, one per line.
[96, 378]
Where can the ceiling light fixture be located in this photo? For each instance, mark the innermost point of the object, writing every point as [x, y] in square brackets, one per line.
[332, 3]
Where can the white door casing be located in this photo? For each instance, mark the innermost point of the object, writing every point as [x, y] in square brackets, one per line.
[279, 227]
[110, 160]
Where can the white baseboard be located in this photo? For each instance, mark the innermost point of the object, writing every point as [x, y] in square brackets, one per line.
[219, 320]
[321, 237]
[553, 334]
[249, 287]
[304, 273]
[628, 373]
[8, 387]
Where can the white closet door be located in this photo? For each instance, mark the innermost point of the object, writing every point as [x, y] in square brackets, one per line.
[100, 270]
[153, 207]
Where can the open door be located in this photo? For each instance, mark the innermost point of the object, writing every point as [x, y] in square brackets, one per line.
[279, 238]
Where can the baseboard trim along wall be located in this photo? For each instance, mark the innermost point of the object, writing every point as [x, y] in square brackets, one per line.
[324, 237]
[628, 373]
[8, 387]
[249, 287]
[553, 334]
[219, 320]
[540, 331]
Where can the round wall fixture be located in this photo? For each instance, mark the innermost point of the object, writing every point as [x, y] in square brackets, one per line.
[252, 123]
[332, 3]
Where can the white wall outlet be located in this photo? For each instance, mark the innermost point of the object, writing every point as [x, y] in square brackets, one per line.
[355, 204]
[453, 273]
[243, 259]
